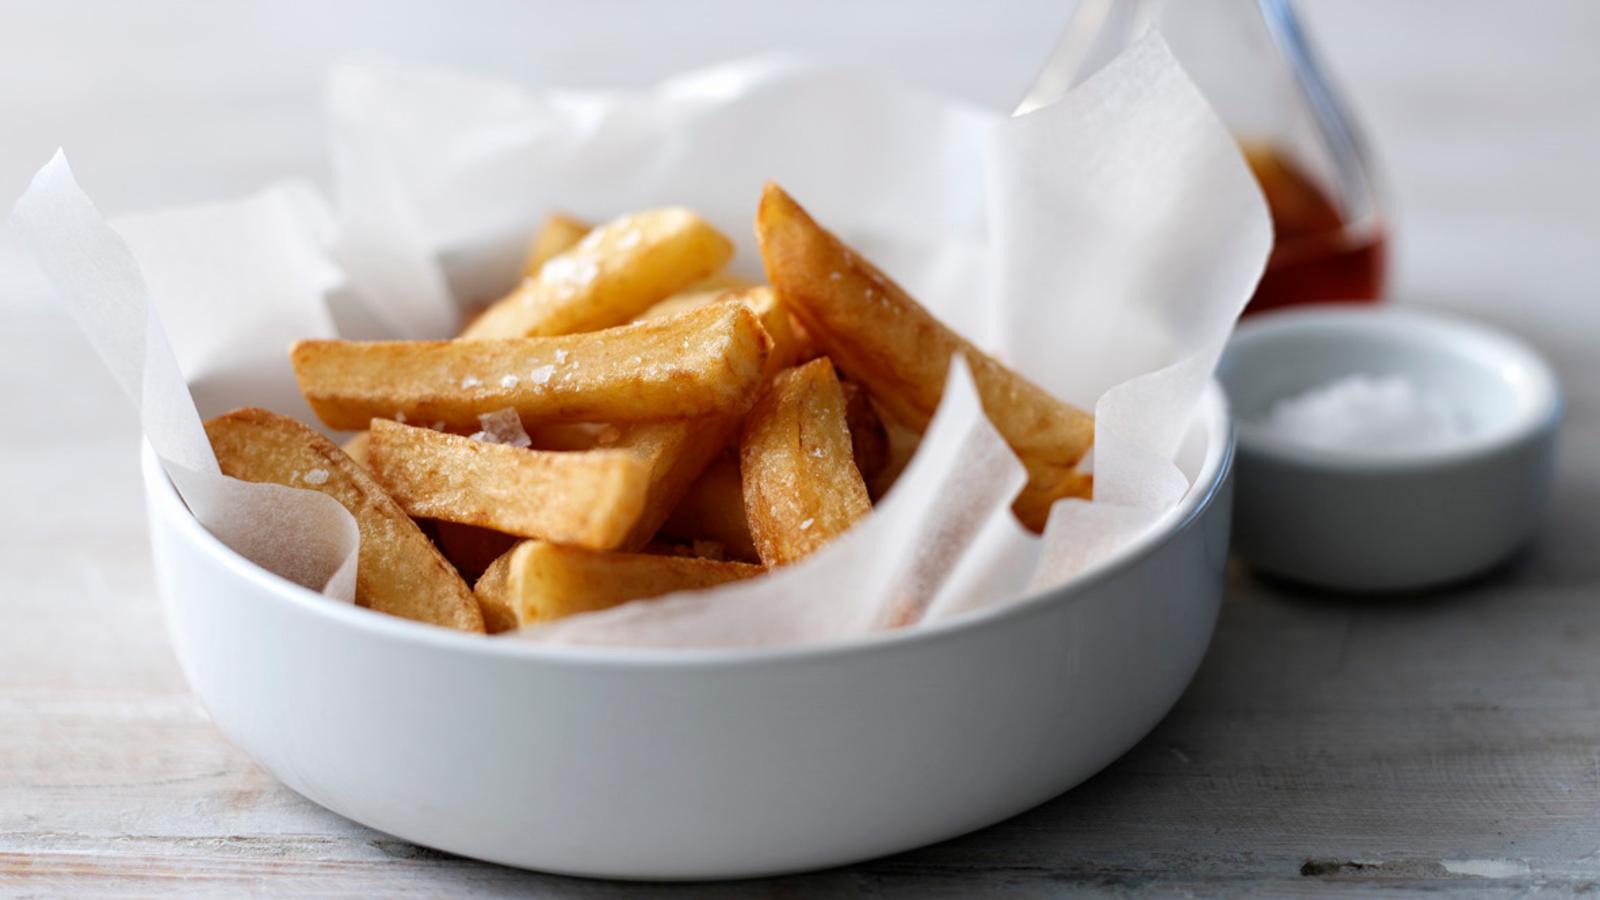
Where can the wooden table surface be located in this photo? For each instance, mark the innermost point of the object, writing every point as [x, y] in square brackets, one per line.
[1443, 741]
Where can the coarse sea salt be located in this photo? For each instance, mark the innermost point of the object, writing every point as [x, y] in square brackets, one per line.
[316, 476]
[503, 426]
[541, 375]
[1380, 415]
[569, 272]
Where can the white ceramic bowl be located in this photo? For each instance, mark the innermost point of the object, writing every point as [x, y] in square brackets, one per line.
[718, 764]
[1357, 522]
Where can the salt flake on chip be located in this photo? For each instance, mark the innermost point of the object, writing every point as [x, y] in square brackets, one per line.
[503, 426]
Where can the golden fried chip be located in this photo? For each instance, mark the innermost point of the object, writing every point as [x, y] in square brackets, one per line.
[674, 454]
[801, 484]
[883, 338]
[678, 452]
[701, 362]
[616, 272]
[469, 548]
[869, 441]
[787, 345]
[696, 295]
[571, 435]
[398, 570]
[556, 235]
[899, 446]
[713, 510]
[540, 582]
[356, 447]
[590, 498]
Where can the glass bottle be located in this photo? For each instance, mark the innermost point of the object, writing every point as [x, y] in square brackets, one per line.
[1256, 67]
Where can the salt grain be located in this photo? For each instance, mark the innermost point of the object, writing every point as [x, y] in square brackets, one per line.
[541, 375]
[1386, 415]
[591, 241]
[568, 273]
[561, 355]
[503, 426]
[470, 382]
[509, 381]
[806, 525]
[316, 476]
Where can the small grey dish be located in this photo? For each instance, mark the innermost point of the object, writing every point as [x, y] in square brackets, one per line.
[1369, 522]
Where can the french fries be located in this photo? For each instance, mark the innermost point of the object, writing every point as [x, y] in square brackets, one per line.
[900, 445]
[869, 440]
[631, 396]
[469, 548]
[541, 582]
[674, 454]
[610, 276]
[590, 498]
[697, 363]
[713, 510]
[356, 448]
[788, 347]
[801, 484]
[879, 335]
[557, 235]
[572, 435]
[398, 570]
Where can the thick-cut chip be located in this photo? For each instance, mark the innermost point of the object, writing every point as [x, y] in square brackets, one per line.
[356, 447]
[702, 362]
[558, 234]
[787, 345]
[713, 510]
[469, 548]
[398, 570]
[616, 272]
[697, 295]
[876, 332]
[788, 349]
[539, 582]
[801, 485]
[869, 441]
[899, 446]
[590, 498]
[678, 452]
[571, 435]
[674, 454]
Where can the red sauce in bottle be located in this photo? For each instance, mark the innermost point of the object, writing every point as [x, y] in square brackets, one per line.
[1316, 257]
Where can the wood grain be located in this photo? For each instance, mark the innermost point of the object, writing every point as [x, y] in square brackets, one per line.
[1432, 743]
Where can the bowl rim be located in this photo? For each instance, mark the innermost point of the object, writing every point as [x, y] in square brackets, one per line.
[1474, 341]
[1212, 410]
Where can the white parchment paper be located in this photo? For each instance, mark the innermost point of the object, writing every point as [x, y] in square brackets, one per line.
[1102, 245]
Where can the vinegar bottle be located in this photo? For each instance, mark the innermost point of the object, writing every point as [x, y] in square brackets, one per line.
[1253, 62]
